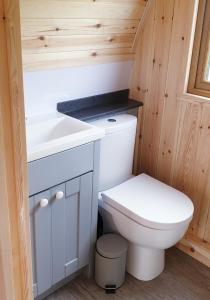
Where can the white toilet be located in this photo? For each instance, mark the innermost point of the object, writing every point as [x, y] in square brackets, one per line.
[151, 215]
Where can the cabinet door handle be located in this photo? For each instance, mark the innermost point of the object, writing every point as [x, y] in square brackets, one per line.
[44, 202]
[59, 195]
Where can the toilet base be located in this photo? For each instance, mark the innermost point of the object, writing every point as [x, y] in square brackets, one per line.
[145, 263]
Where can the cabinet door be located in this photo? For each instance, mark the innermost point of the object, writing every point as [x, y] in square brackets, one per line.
[60, 231]
[58, 206]
[78, 222]
[41, 242]
[31, 205]
[85, 209]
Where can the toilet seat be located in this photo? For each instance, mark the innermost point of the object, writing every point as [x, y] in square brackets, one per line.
[150, 203]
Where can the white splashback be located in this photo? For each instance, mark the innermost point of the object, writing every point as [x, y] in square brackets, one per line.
[43, 89]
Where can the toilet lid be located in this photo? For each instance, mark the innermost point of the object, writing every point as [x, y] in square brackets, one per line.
[150, 202]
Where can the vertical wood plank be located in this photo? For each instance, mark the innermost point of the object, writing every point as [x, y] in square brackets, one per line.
[143, 56]
[15, 257]
[187, 145]
[141, 73]
[180, 39]
[190, 116]
[136, 163]
[155, 99]
[201, 179]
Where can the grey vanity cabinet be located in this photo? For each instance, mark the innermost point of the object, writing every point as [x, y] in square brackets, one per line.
[60, 231]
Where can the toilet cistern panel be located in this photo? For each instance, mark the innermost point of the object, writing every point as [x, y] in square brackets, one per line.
[117, 149]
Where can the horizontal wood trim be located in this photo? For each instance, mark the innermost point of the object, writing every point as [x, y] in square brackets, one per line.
[57, 27]
[194, 98]
[39, 9]
[75, 58]
[200, 92]
[57, 44]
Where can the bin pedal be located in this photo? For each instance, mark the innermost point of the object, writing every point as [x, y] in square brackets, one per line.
[110, 288]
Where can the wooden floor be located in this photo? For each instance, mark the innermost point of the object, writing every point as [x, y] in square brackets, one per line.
[183, 279]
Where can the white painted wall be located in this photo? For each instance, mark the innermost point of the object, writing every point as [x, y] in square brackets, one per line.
[43, 89]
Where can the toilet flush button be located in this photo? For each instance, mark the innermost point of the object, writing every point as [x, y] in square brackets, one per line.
[112, 120]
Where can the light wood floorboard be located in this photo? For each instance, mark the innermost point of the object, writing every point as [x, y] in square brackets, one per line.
[183, 279]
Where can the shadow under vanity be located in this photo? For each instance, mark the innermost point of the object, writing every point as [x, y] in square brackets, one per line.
[63, 195]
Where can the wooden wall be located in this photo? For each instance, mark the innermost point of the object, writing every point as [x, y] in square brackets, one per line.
[175, 129]
[59, 33]
[15, 250]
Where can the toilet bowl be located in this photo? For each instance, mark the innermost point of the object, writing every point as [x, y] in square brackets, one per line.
[152, 216]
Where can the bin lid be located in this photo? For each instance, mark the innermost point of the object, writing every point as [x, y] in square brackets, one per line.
[111, 245]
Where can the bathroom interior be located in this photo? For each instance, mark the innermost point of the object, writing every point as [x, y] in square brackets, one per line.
[105, 160]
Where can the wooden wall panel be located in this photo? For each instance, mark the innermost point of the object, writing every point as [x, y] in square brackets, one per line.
[185, 161]
[56, 44]
[41, 9]
[156, 89]
[183, 11]
[15, 250]
[58, 27]
[62, 27]
[41, 61]
[176, 126]
[141, 79]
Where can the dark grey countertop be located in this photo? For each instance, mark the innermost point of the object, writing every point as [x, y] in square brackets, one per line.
[98, 106]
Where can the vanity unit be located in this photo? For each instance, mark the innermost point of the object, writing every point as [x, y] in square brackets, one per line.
[63, 200]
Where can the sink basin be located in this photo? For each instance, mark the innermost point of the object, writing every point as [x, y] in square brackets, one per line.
[51, 134]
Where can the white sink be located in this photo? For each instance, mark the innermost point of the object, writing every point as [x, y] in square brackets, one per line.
[50, 134]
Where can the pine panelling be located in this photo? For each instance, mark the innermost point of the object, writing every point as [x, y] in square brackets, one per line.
[67, 9]
[183, 175]
[189, 123]
[183, 126]
[70, 28]
[142, 69]
[180, 37]
[196, 248]
[201, 183]
[143, 57]
[15, 250]
[155, 95]
[75, 58]
[49, 44]
[137, 142]
[57, 27]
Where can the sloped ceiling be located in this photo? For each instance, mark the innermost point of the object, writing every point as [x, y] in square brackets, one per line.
[59, 33]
